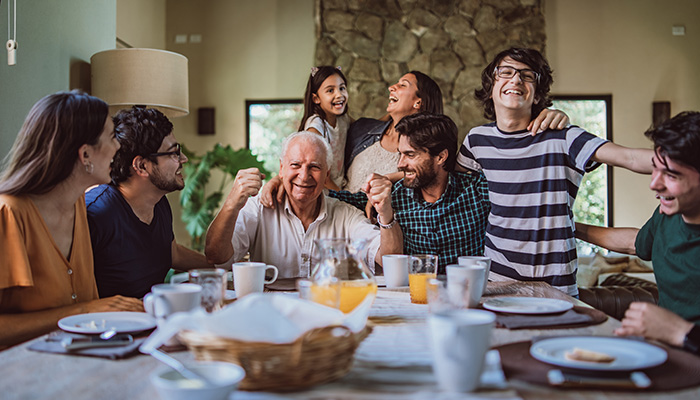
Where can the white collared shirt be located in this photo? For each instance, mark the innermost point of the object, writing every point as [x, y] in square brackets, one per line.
[277, 237]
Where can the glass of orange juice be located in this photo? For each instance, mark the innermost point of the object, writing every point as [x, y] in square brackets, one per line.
[353, 292]
[326, 292]
[422, 267]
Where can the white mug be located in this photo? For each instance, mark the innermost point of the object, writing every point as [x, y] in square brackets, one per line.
[459, 342]
[249, 277]
[166, 299]
[465, 284]
[477, 260]
[395, 268]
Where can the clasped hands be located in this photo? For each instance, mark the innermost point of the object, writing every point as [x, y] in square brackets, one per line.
[377, 188]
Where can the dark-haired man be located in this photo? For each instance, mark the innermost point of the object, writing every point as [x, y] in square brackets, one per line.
[131, 224]
[670, 238]
[440, 211]
[533, 180]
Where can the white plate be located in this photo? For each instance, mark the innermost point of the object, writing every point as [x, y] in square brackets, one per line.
[230, 294]
[527, 305]
[123, 322]
[629, 354]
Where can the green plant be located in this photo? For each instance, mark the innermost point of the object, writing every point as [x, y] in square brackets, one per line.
[199, 205]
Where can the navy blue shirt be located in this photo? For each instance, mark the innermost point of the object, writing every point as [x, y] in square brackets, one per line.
[130, 255]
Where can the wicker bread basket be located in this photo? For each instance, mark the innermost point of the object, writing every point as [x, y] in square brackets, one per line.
[320, 355]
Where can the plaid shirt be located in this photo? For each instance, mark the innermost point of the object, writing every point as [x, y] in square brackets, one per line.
[451, 227]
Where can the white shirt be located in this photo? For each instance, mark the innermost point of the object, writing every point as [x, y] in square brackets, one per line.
[374, 158]
[336, 137]
[277, 237]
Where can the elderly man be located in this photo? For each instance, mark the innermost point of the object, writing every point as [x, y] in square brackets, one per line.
[283, 236]
[131, 224]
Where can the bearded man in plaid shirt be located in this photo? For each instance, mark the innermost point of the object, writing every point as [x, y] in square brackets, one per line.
[440, 211]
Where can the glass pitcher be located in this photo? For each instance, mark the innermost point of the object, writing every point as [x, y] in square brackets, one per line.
[341, 259]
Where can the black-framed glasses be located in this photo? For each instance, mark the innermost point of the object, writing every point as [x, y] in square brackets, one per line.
[175, 153]
[507, 72]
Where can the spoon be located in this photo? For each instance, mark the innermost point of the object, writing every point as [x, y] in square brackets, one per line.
[108, 334]
[179, 367]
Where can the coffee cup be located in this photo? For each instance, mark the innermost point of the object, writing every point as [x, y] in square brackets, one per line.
[459, 342]
[166, 299]
[465, 284]
[249, 277]
[395, 268]
[477, 260]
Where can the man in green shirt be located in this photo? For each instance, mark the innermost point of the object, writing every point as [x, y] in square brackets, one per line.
[670, 238]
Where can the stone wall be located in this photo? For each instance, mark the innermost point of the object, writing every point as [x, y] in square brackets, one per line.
[377, 41]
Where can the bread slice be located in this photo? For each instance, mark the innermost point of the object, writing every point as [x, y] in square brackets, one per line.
[578, 354]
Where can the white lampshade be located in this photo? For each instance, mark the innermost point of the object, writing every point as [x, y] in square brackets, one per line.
[147, 77]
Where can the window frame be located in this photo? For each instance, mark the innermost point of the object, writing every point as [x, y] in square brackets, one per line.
[607, 98]
[249, 103]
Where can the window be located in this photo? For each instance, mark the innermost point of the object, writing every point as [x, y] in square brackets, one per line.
[593, 203]
[268, 122]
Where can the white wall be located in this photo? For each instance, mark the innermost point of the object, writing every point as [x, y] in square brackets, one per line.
[56, 40]
[141, 23]
[625, 48]
[259, 49]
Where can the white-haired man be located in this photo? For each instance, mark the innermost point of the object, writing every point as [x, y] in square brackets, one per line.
[284, 235]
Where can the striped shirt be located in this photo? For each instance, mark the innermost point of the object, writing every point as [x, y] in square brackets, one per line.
[453, 226]
[533, 181]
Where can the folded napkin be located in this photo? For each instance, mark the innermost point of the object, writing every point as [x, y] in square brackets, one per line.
[53, 344]
[271, 318]
[516, 321]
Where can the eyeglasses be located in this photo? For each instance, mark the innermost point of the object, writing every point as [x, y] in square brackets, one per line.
[176, 154]
[507, 72]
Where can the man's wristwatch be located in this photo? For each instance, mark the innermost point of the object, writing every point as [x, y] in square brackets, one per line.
[691, 342]
[388, 226]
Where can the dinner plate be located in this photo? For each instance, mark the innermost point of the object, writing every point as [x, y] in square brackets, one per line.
[629, 354]
[527, 305]
[122, 322]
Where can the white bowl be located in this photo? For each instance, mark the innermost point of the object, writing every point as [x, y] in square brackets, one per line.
[223, 376]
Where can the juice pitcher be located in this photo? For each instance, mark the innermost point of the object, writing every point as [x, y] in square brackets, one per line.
[341, 269]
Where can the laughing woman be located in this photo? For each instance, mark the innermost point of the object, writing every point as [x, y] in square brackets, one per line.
[46, 270]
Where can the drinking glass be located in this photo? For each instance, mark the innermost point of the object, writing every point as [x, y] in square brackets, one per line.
[213, 283]
[422, 267]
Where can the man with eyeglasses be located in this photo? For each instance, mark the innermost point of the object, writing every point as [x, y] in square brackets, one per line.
[533, 180]
[131, 224]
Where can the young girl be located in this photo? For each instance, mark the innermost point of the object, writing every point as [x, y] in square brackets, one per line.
[325, 113]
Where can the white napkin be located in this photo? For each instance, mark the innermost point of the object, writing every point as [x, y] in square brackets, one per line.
[272, 318]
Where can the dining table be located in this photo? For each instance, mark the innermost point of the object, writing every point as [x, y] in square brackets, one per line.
[393, 362]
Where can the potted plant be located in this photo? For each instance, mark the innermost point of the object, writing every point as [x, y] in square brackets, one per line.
[199, 205]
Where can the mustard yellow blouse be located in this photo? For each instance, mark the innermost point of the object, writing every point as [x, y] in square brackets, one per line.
[34, 274]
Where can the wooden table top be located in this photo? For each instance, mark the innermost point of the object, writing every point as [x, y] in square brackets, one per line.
[392, 363]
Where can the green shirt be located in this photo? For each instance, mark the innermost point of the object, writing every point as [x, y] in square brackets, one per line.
[673, 246]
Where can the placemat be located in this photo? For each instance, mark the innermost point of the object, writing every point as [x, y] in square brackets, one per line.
[574, 318]
[680, 371]
[282, 284]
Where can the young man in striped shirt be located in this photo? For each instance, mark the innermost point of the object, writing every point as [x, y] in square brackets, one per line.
[533, 180]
